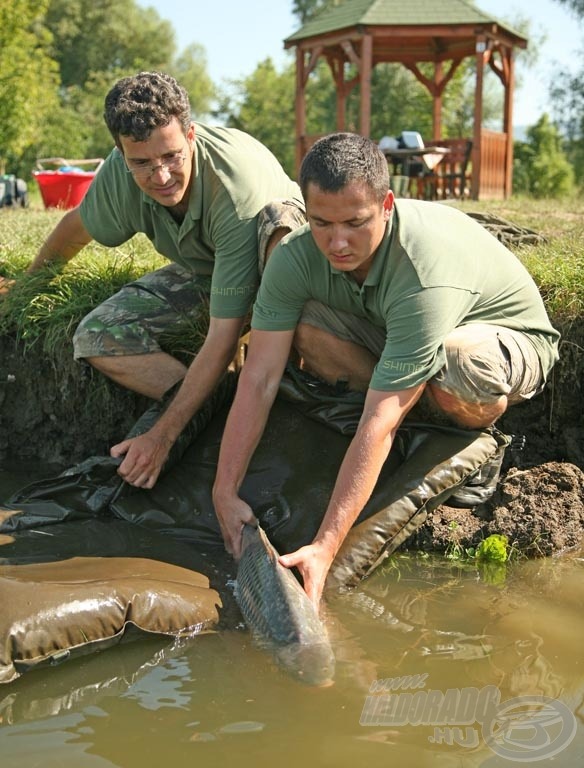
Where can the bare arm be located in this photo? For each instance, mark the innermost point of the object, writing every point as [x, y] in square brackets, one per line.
[258, 385]
[64, 242]
[367, 452]
[145, 455]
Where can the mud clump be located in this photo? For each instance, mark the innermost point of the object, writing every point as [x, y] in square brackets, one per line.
[539, 509]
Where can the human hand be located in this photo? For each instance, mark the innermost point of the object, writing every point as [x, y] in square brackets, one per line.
[313, 561]
[6, 284]
[144, 458]
[233, 513]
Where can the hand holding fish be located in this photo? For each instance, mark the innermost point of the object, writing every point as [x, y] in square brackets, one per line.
[313, 562]
[232, 514]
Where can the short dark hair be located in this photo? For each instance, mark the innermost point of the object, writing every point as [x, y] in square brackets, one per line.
[341, 158]
[136, 105]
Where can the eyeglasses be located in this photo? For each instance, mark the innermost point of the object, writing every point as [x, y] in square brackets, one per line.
[141, 169]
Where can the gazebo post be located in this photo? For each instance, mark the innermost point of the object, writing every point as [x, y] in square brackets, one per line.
[300, 106]
[437, 102]
[365, 84]
[480, 50]
[508, 119]
[337, 68]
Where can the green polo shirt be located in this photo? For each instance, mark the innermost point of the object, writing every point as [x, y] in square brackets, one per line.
[234, 177]
[435, 269]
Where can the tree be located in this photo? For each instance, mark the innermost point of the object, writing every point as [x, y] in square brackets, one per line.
[575, 5]
[190, 69]
[305, 10]
[541, 168]
[262, 105]
[28, 78]
[567, 97]
[95, 42]
[92, 36]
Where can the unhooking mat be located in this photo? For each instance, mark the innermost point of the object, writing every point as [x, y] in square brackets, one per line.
[83, 512]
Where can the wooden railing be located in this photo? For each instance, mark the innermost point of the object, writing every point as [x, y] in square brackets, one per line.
[451, 178]
[491, 182]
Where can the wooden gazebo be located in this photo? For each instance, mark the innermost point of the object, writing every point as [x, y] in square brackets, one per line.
[444, 32]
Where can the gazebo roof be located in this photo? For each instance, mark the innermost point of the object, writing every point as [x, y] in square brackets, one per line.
[442, 15]
[442, 33]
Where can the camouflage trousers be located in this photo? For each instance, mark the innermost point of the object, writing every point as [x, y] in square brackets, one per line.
[132, 321]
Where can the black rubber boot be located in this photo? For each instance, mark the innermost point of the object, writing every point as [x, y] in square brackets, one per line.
[482, 485]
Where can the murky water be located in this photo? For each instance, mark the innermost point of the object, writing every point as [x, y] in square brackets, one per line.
[453, 647]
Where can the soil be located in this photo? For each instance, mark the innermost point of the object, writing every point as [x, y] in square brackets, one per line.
[58, 412]
[539, 501]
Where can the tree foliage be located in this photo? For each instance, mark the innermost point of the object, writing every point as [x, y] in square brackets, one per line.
[567, 99]
[28, 77]
[307, 9]
[58, 59]
[190, 69]
[574, 5]
[541, 168]
[106, 36]
[262, 104]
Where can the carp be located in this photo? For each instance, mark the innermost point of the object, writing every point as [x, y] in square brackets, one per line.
[279, 613]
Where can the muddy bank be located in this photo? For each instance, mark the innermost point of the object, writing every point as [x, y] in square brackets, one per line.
[57, 411]
[54, 410]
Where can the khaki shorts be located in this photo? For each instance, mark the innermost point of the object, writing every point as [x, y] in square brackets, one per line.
[483, 361]
[132, 321]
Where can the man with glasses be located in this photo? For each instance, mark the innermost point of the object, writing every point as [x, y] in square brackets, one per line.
[196, 192]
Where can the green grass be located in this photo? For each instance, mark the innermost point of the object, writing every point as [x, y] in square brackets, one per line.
[556, 265]
[45, 308]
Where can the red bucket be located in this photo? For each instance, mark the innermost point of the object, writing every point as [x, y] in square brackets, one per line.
[65, 187]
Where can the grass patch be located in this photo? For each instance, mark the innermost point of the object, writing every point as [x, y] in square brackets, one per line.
[557, 264]
[46, 307]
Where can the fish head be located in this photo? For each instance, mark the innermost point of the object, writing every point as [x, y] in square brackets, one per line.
[249, 535]
[311, 663]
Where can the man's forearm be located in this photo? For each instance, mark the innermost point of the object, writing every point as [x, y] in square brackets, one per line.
[200, 381]
[243, 430]
[355, 482]
[363, 462]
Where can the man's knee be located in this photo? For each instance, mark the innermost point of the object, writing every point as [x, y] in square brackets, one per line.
[470, 415]
[477, 368]
[95, 338]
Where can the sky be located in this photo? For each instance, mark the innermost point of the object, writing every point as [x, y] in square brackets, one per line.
[238, 35]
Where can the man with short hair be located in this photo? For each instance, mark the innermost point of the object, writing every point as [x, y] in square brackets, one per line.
[195, 191]
[403, 299]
